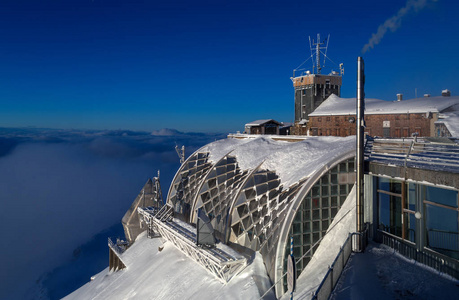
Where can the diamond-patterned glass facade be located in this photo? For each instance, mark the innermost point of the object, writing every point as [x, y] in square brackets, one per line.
[253, 208]
[186, 182]
[219, 188]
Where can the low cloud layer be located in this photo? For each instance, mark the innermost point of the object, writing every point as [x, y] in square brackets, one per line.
[394, 22]
[59, 188]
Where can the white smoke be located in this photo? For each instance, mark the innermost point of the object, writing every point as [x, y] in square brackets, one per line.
[394, 22]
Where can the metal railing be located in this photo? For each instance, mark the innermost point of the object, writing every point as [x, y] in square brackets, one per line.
[119, 247]
[428, 257]
[444, 240]
[356, 242]
[217, 261]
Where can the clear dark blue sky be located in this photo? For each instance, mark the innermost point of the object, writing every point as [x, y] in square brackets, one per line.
[206, 65]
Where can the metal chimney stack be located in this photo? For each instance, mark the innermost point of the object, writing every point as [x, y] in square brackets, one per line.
[360, 147]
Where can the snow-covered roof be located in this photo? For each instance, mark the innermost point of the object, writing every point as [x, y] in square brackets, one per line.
[291, 161]
[261, 122]
[286, 124]
[421, 153]
[335, 105]
[253, 187]
[451, 121]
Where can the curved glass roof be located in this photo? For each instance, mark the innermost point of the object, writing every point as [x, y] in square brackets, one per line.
[251, 189]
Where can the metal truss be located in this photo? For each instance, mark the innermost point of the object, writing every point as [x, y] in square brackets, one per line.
[215, 260]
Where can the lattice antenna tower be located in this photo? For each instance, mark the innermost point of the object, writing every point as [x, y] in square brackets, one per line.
[317, 46]
[180, 153]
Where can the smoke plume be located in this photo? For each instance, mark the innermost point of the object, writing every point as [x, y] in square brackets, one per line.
[393, 23]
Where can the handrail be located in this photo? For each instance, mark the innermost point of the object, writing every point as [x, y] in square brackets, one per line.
[347, 247]
[427, 256]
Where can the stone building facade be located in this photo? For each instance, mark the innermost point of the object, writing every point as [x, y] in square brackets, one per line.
[397, 119]
[383, 125]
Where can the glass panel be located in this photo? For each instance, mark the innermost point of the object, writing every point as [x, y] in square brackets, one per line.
[324, 190]
[343, 189]
[307, 226]
[297, 228]
[383, 184]
[334, 190]
[334, 201]
[315, 226]
[325, 213]
[315, 202]
[442, 230]
[351, 165]
[297, 217]
[410, 233]
[390, 214]
[315, 191]
[441, 196]
[316, 214]
[334, 178]
[411, 201]
[384, 211]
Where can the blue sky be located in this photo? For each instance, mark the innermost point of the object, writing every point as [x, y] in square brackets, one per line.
[206, 65]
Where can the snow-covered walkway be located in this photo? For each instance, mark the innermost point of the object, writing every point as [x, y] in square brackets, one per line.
[381, 273]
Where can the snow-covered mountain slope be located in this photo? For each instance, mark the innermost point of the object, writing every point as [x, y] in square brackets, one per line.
[169, 274]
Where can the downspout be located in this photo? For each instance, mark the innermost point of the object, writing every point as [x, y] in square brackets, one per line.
[360, 146]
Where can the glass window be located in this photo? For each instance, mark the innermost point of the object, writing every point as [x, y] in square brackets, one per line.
[390, 213]
[315, 226]
[324, 190]
[441, 196]
[343, 189]
[442, 230]
[316, 214]
[411, 195]
[383, 184]
[315, 191]
[334, 178]
[334, 190]
[334, 201]
[351, 165]
[384, 212]
[410, 233]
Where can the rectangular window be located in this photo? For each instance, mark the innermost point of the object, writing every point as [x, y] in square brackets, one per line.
[390, 205]
[442, 230]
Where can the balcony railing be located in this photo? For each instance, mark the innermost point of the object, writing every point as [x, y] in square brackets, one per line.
[428, 257]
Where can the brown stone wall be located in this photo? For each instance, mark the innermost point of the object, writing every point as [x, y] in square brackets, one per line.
[332, 125]
[387, 125]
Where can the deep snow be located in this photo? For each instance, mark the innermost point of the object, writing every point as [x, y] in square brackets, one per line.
[169, 274]
[382, 273]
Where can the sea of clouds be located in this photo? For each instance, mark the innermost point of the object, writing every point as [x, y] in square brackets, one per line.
[61, 188]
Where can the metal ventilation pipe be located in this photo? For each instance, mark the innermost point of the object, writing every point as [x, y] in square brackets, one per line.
[360, 146]
[399, 97]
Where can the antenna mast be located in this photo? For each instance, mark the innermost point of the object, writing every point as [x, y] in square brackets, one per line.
[181, 153]
[318, 47]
